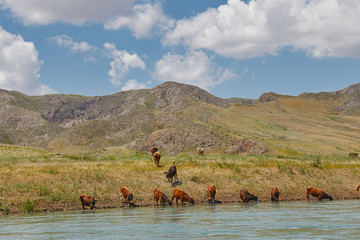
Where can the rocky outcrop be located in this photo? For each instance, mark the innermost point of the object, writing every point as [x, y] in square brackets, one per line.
[267, 97]
[351, 105]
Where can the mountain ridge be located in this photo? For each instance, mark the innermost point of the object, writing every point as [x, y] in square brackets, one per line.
[177, 118]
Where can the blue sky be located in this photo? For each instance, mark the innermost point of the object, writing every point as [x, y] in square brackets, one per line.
[229, 48]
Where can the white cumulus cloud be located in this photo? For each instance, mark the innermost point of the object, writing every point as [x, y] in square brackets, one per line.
[121, 63]
[20, 65]
[75, 12]
[321, 28]
[143, 20]
[194, 68]
[133, 84]
[68, 42]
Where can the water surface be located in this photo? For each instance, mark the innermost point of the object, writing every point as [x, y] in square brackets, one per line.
[284, 220]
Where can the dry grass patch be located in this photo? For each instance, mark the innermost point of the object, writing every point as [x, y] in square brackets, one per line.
[55, 183]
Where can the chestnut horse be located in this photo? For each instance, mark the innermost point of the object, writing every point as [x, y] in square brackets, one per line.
[179, 194]
[156, 155]
[128, 196]
[317, 193]
[211, 193]
[160, 196]
[274, 197]
[86, 200]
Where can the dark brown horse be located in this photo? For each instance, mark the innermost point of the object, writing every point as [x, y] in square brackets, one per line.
[172, 173]
[245, 196]
[353, 154]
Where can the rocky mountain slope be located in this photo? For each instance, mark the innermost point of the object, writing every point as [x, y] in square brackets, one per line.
[179, 118]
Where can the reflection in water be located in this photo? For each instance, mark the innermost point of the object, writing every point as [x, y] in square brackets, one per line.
[284, 220]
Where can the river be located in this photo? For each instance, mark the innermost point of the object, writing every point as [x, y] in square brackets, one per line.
[265, 220]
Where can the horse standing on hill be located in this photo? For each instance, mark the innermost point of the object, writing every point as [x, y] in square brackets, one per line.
[172, 173]
[201, 151]
[156, 155]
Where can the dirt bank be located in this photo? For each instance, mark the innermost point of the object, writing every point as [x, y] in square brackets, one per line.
[55, 183]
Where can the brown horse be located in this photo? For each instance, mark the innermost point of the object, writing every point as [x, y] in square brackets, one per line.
[153, 149]
[245, 196]
[274, 197]
[179, 194]
[172, 173]
[156, 155]
[317, 193]
[353, 154]
[211, 193]
[201, 151]
[160, 196]
[358, 188]
[86, 200]
[128, 196]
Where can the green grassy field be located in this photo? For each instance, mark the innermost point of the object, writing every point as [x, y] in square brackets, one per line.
[36, 180]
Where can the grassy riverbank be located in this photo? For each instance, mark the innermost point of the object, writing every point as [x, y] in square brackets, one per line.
[36, 180]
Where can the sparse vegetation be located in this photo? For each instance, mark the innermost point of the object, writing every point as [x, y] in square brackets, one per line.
[317, 163]
[28, 206]
[48, 182]
[4, 208]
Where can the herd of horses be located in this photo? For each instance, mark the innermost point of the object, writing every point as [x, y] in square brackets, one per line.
[161, 199]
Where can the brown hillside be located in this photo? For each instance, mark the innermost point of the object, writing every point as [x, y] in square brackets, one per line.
[179, 118]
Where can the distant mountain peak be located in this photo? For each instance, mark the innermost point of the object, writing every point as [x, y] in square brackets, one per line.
[351, 105]
[180, 91]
